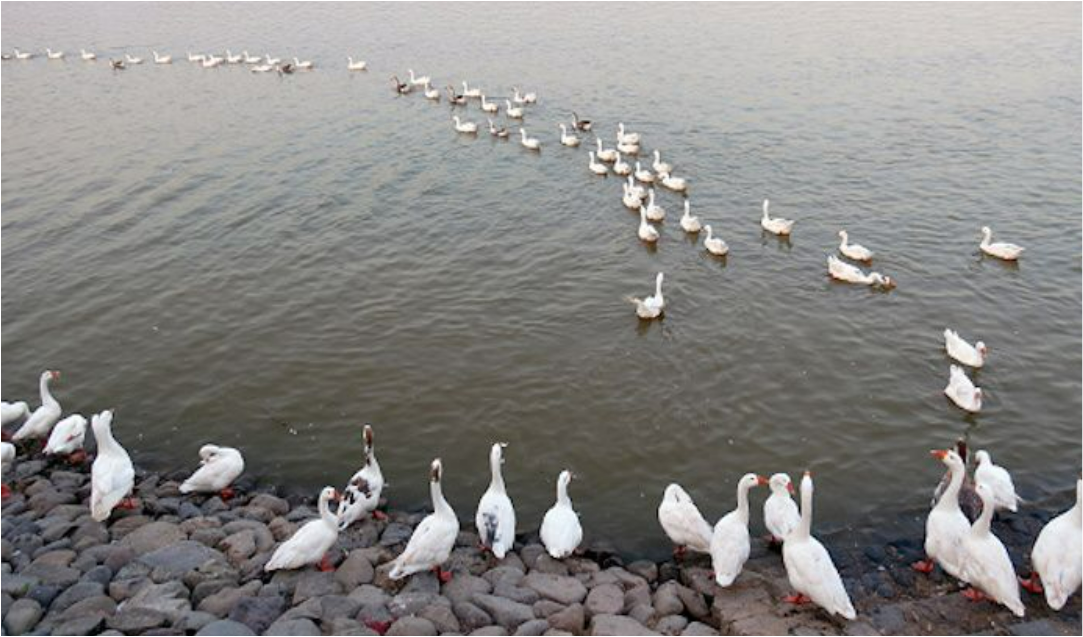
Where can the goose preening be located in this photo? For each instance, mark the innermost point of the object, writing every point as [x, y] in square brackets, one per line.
[41, 422]
[596, 167]
[853, 250]
[777, 225]
[644, 175]
[683, 523]
[730, 545]
[418, 81]
[581, 125]
[780, 514]
[270, 60]
[402, 88]
[524, 98]
[689, 223]
[233, 59]
[809, 567]
[471, 92]
[1057, 556]
[308, 65]
[969, 501]
[660, 166]
[67, 437]
[842, 271]
[495, 519]
[431, 93]
[962, 391]
[19, 55]
[117, 65]
[628, 149]
[530, 143]
[986, 564]
[649, 308]
[248, 59]
[1005, 251]
[453, 97]
[359, 65]
[621, 167]
[566, 138]
[608, 155]
[162, 59]
[487, 106]
[561, 531]
[946, 526]
[676, 184]
[967, 354]
[999, 480]
[10, 412]
[630, 199]
[219, 467]
[513, 112]
[431, 542]
[362, 494]
[131, 59]
[626, 138]
[87, 55]
[464, 127]
[112, 475]
[654, 212]
[715, 245]
[54, 55]
[310, 543]
[262, 68]
[501, 132]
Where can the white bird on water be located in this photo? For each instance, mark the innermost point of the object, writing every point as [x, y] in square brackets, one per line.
[842, 271]
[715, 245]
[653, 306]
[962, 392]
[853, 250]
[689, 223]
[776, 225]
[1005, 251]
[967, 354]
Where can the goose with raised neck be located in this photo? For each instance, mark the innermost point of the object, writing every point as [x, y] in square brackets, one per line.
[730, 543]
[495, 519]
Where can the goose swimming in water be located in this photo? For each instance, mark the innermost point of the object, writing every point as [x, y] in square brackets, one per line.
[660, 166]
[631, 200]
[401, 88]
[644, 175]
[649, 308]
[41, 422]
[307, 65]
[131, 59]
[628, 149]
[621, 167]
[198, 57]
[1005, 251]
[310, 543]
[488, 107]
[431, 542]
[647, 233]
[418, 81]
[654, 212]
[566, 138]
[842, 271]
[431, 93]
[676, 184]
[270, 60]
[501, 132]
[262, 68]
[362, 494]
[162, 59]
[524, 98]
[626, 138]
[530, 143]
[582, 125]
[683, 523]
[87, 55]
[117, 65]
[853, 250]
[453, 97]
[962, 391]
[730, 543]
[471, 92]
[233, 59]
[211, 61]
[464, 127]
[608, 155]
[638, 191]
[779, 226]
[495, 519]
[596, 167]
[19, 55]
[248, 59]
[689, 224]
[54, 55]
[513, 112]
[967, 354]
[359, 65]
[715, 245]
[219, 467]
[561, 531]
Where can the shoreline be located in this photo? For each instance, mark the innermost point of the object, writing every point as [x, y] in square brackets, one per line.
[179, 565]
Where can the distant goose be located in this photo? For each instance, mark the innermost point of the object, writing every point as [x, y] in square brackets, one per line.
[530, 143]
[262, 68]
[488, 107]
[248, 59]
[715, 245]
[644, 175]
[270, 60]
[359, 65]
[287, 68]
[162, 59]
[660, 166]
[513, 112]
[608, 155]
[431, 93]
[626, 138]
[117, 65]
[853, 250]
[54, 55]
[453, 97]
[198, 57]
[628, 149]
[647, 233]
[418, 81]
[566, 138]
[778, 225]
[582, 125]
[595, 167]
[842, 271]
[651, 308]
[471, 92]
[303, 65]
[621, 167]
[131, 59]
[689, 223]
[233, 59]
[465, 127]
[501, 132]
[211, 61]
[676, 184]
[87, 55]
[1005, 251]
[525, 98]
[19, 55]
[654, 212]
[402, 88]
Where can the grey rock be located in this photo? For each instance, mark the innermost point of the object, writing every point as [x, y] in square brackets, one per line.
[491, 630]
[642, 613]
[405, 604]
[530, 554]
[258, 613]
[293, 627]
[62, 576]
[546, 607]
[532, 627]
[572, 619]
[505, 612]
[646, 569]
[547, 564]
[666, 601]
[137, 620]
[43, 594]
[606, 599]
[82, 625]
[101, 574]
[239, 546]
[100, 606]
[274, 504]
[118, 557]
[424, 582]
[636, 596]
[225, 627]
[169, 598]
[18, 585]
[504, 574]
[442, 617]
[699, 628]
[395, 533]
[193, 621]
[606, 624]
[23, 615]
[345, 626]
[223, 602]
[62, 557]
[516, 593]
[671, 624]
[308, 609]
[559, 588]
[463, 587]
[153, 536]
[314, 584]
[694, 603]
[77, 593]
[122, 588]
[177, 559]
[356, 569]
[412, 626]
[367, 594]
[471, 616]
[1035, 627]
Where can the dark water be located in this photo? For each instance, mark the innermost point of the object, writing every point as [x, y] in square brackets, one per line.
[270, 263]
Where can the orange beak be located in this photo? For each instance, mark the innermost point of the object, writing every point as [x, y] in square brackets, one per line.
[939, 454]
[789, 487]
[760, 480]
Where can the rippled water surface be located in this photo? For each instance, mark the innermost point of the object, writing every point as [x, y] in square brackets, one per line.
[271, 262]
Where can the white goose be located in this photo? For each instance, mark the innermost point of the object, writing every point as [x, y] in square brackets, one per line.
[683, 523]
[608, 155]
[513, 112]
[417, 81]
[19, 55]
[87, 55]
[233, 59]
[780, 514]
[495, 518]
[212, 61]
[646, 232]
[67, 436]
[660, 166]
[310, 543]
[626, 138]
[999, 481]
[631, 200]
[530, 143]
[946, 525]
[809, 567]
[962, 391]
[842, 271]
[521, 98]
[471, 92]
[7, 455]
[1005, 251]
[41, 422]
[628, 149]
[112, 475]
[561, 531]
[248, 59]
[270, 60]
[501, 132]
[676, 184]
[362, 494]
[568, 139]
[431, 93]
[1057, 557]
[54, 55]
[644, 175]
[777, 225]
[853, 250]
[621, 167]
[308, 65]
[689, 224]
[162, 59]
[715, 245]
[198, 57]
[220, 466]
[655, 212]
[595, 167]
[987, 566]
[10, 412]
[262, 68]
[965, 353]
[649, 308]
[487, 106]
[464, 127]
[359, 65]
[432, 540]
[131, 59]
[729, 541]
[638, 191]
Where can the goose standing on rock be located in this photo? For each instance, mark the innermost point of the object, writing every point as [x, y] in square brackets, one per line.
[431, 542]
[112, 475]
[715, 245]
[220, 466]
[362, 494]
[495, 519]
[7, 454]
[967, 354]
[561, 531]
[67, 438]
[683, 523]
[999, 481]
[946, 525]
[730, 545]
[969, 501]
[1057, 557]
[853, 250]
[842, 271]
[310, 543]
[651, 308]
[777, 225]
[962, 391]
[987, 566]
[41, 422]
[1005, 251]
[566, 138]
[809, 567]
[529, 143]
[10, 412]
[780, 514]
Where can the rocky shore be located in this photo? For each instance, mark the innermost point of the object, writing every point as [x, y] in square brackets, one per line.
[177, 565]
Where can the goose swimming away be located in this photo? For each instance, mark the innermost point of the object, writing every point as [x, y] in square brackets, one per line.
[809, 567]
[501, 132]
[946, 526]
[162, 59]
[730, 544]
[962, 391]
[67, 438]
[628, 149]
[112, 475]
[418, 81]
[683, 523]
[530, 143]
[999, 481]
[523, 98]
[1005, 251]
[41, 422]
[582, 125]
[248, 59]
[631, 200]
[455, 99]
[233, 59]
[676, 184]
[19, 55]
[211, 61]
[431, 543]
[842, 271]
[262, 68]
[131, 59]
[715, 245]
[780, 514]
[87, 55]
[54, 55]
[219, 467]
[198, 57]
[644, 175]
[608, 155]
[359, 65]
[401, 88]
[566, 138]
[362, 494]
[310, 543]
[638, 191]
[621, 167]
[595, 167]
[10, 412]
[689, 224]
[270, 60]
[654, 212]
[777, 225]
[626, 138]
[987, 566]
[488, 107]
[660, 166]
[1057, 557]
[967, 354]
[649, 308]
[495, 519]
[307, 65]
[853, 250]
[464, 127]
[117, 65]
[561, 531]
[512, 112]
[431, 93]
[471, 92]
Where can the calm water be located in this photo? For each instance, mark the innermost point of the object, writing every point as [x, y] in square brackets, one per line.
[270, 262]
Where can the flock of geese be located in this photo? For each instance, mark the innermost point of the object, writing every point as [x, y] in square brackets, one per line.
[967, 551]
[255, 63]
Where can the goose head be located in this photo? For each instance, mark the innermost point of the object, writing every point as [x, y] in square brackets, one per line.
[436, 471]
[564, 478]
[750, 480]
[843, 235]
[780, 483]
[707, 227]
[496, 453]
[982, 349]
[982, 457]
[368, 437]
[456, 118]
[986, 232]
[674, 493]
[948, 457]
[883, 281]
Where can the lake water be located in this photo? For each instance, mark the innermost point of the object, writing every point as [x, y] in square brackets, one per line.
[270, 262]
